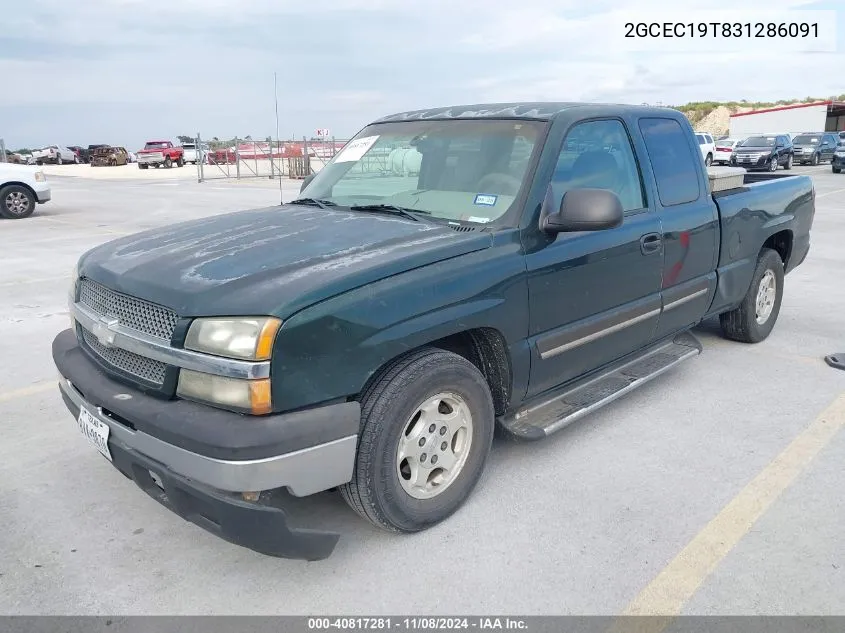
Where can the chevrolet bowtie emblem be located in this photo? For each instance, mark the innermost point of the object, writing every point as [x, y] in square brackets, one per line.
[104, 330]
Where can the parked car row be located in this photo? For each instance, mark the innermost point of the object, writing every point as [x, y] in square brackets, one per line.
[770, 151]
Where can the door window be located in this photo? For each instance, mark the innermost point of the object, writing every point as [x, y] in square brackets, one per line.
[675, 167]
[598, 155]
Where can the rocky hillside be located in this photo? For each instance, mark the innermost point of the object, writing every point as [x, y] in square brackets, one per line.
[714, 116]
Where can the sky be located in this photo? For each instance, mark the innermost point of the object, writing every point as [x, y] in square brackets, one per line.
[124, 71]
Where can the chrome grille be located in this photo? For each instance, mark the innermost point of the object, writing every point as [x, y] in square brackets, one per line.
[146, 368]
[141, 316]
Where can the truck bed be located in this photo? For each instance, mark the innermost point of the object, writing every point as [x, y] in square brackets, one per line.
[769, 208]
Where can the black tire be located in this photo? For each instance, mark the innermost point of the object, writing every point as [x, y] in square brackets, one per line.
[773, 165]
[180, 162]
[788, 162]
[836, 170]
[387, 406]
[741, 323]
[16, 202]
[167, 162]
[815, 160]
[709, 160]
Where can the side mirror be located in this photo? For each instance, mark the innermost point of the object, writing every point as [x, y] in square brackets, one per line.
[307, 181]
[585, 210]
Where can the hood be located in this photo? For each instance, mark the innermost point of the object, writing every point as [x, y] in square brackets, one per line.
[15, 170]
[274, 261]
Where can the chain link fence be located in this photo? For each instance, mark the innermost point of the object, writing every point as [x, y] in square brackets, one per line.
[249, 158]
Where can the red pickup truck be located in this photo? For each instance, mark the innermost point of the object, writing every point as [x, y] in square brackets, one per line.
[158, 153]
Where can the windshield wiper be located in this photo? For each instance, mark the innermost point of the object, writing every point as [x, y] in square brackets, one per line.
[405, 212]
[323, 204]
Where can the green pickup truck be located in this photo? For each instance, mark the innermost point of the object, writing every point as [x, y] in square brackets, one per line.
[451, 274]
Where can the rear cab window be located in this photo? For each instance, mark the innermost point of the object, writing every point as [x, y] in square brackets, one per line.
[676, 168]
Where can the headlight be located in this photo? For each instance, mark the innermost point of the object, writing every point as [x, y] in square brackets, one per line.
[250, 396]
[248, 338]
[40, 177]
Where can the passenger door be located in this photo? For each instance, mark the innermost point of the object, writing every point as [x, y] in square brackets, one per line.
[594, 296]
[689, 220]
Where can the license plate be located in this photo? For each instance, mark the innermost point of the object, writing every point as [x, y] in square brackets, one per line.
[96, 431]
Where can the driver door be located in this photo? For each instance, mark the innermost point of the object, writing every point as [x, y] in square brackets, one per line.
[594, 296]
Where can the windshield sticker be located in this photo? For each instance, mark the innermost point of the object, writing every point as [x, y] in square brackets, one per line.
[473, 218]
[356, 149]
[486, 199]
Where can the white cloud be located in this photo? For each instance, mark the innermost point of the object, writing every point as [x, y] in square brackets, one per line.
[106, 68]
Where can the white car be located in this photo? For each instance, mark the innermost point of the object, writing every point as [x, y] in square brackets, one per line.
[193, 155]
[724, 149]
[55, 154]
[21, 188]
[707, 146]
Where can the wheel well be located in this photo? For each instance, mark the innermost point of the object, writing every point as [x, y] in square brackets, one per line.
[483, 347]
[782, 243]
[20, 184]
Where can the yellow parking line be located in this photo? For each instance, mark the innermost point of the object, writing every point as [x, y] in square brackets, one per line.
[38, 387]
[666, 595]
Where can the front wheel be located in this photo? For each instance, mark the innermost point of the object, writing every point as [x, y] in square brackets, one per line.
[773, 166]
[427, 425]
[168, 163]
[836, 170]
[755, 317]
[16, 202]
[179, 162]
[788, 162]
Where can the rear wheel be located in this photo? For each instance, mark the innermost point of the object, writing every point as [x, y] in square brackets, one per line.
[427, 425]
[788, 162]
[142, 165]
[709, 160]
[16, 202]
[755, 317]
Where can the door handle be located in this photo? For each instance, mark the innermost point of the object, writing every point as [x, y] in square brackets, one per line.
[650, 243]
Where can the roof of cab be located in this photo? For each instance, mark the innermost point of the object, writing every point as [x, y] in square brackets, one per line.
[542, 111]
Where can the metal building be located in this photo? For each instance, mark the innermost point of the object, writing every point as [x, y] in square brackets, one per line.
[827, 116]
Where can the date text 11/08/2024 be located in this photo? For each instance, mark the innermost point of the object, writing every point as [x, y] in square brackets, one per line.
[416, 623]
[721, 29]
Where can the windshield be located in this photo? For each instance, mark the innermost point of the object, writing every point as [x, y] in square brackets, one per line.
[759, 141]
[103, 150]
[806, 140]
[155, 146]
[457, 170]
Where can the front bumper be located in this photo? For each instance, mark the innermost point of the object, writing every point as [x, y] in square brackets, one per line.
[151, 159]
[204, 487]
[43, 193]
